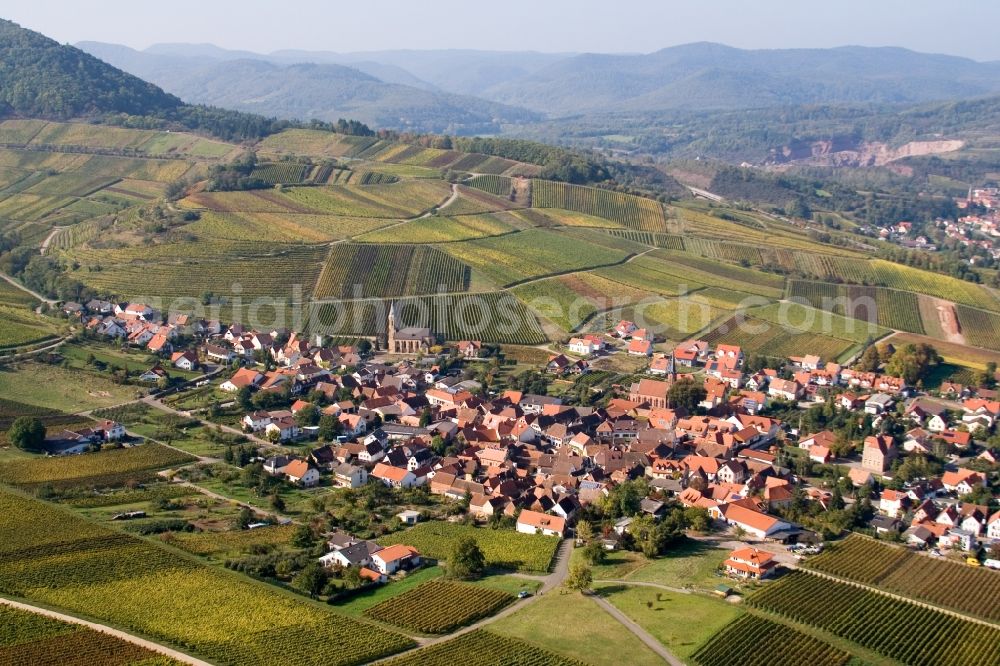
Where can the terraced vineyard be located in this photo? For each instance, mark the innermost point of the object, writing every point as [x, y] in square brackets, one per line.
[57, 558]
[880, 623]
[192, 270]
[471, 201]
[494, 317]
[569, 300]
[282, 227]
[890, 308]
[514, 258]
[498, 185]
[98, 470]
[666, 241]
[365, 271]
[805, 319]
[630, 211]
[757, 336]
[289, 173]
[505, 549]
[951, 585]
[482, 648]
[30, 638]
[755, 641]
[19, 327]
[439, 607]
[446, 229]
[719, 274]
[981, 329]
[646, 274]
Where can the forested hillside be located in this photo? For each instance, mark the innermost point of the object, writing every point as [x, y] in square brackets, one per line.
[40, 77]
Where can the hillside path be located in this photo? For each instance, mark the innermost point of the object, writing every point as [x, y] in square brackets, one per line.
[48, 239]
[34, 294]
[104, 629]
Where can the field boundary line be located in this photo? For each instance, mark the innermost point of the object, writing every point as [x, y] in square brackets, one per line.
[105, 629]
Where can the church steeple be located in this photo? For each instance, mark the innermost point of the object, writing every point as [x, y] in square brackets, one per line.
[392, 328]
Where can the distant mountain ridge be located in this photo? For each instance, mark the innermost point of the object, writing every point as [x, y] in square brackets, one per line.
[691, 76]
[706, 75]
[311, 90]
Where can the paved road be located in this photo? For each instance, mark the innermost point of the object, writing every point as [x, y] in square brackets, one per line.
[640, 633]
[135, 640]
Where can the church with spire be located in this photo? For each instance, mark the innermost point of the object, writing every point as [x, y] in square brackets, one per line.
[411, 340]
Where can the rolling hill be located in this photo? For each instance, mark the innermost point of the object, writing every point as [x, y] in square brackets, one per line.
[708, 75]
[42, 78]
[379, 94]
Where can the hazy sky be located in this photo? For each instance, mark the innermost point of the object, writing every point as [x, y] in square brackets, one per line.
[960, 27]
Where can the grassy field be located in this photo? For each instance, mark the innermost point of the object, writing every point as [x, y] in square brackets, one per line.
[585, 631]
[955, 354]
[682, 622]
[805, 319]
[505, 549]
[62, 389]
[569, 300]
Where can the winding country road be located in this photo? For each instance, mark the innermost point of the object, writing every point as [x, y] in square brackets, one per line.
[34, 294]
[104, 629]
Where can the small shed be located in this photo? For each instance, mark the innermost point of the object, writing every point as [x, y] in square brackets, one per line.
[409, 517]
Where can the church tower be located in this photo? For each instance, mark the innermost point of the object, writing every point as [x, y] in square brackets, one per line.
[392, 328]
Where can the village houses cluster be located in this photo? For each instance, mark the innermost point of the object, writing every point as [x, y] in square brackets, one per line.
[404, 423]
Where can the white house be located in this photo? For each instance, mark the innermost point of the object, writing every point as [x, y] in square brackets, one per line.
[299, 472]
[533, 522]
[286, 428]
[393, 558]
[350, 476]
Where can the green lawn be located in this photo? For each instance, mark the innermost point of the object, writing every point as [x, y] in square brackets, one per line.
[573, 625]
[511, 584]
[691, 565]
[682, 622]
[619, 564]
[60, 388]
[77, 354]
